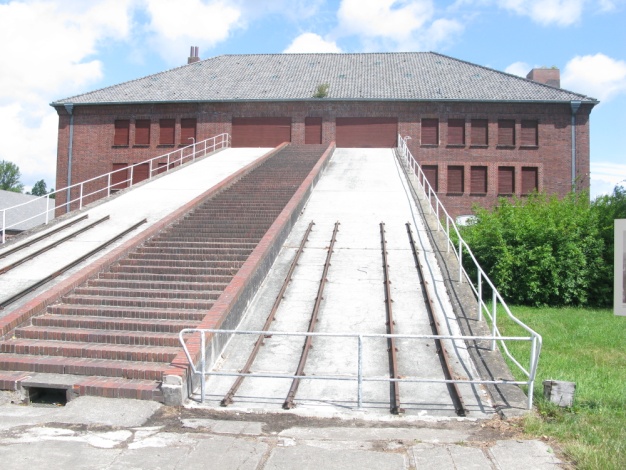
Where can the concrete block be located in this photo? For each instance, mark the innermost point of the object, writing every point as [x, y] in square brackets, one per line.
[559, 392]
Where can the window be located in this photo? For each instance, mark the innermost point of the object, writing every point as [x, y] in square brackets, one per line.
[431, 174]
[187, 131]
[122, 127]
[479, 180]
[142, 132]
[506, 132]
[530, 180]
[430, 131]
[530, 134]
[166, 131]
[455, 179]
[456, 131]
[479, 132]
[506, 180]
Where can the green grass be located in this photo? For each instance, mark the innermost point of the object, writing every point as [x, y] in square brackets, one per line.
[586, 346]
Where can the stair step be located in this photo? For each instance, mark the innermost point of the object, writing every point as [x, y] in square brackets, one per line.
[174, 270]
[155, 277]
[181, 263]
[106, 323]
[190, 256]
[111, 352]
[156, 285]
[112, 387]
[130, 303]
[136, 338]
[83, 366]
[154, 293]
[127, 313]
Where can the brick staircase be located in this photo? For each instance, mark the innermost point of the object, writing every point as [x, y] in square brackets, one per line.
[118, 333]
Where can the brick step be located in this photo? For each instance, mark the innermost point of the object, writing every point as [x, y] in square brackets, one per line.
[105, 323]
[107, 308]
[248, 232]
[182, 263]
[155, 285]
[172, 278]
[215, 242]
[148, 293]
[190, 256]
[82, 366]
[181, 240]
[111, 352]
[174, 270]
[239, 210]
[112, 387]
[219, 253]
[137, 338]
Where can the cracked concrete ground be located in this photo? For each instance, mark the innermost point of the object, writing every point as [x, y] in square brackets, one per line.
[98, 433]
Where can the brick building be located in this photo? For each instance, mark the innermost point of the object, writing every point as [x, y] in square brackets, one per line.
[478, 133]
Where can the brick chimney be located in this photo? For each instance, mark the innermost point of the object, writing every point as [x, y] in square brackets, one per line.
[193, 55]
[546, 76]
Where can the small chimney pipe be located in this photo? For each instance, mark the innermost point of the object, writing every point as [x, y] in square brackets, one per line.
[193, 55]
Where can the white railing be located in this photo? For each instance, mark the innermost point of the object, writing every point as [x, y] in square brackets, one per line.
[462, 249]
[102, 186]
[357, 376]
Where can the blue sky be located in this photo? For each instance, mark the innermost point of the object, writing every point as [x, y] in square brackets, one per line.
[52, 49]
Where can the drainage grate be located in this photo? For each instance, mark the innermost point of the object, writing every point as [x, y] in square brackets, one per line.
[47, 396]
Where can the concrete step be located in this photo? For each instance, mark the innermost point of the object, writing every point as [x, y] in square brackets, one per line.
[137, 338]
[112, 352]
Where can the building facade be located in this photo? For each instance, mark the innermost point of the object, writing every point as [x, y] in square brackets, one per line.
[479, 134]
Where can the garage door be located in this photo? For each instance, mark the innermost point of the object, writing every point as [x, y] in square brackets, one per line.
[261, 132]
[366, 132]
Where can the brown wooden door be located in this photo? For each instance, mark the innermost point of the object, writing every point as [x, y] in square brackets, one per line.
[261, 131]
[366, 132]
[118, 179]
[140, 172]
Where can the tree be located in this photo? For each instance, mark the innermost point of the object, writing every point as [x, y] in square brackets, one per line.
[39, 188]
[10, 177]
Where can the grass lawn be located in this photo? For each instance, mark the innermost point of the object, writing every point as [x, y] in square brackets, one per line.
[586, 346]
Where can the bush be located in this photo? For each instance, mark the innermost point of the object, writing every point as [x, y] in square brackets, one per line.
[541, 250]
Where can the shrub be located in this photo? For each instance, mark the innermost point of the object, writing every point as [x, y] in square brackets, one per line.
[541, 250]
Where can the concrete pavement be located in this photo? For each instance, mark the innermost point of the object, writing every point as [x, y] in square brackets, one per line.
[97, 433]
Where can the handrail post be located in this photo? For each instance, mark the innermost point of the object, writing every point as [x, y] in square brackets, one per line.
[493, 318]
[80, 203]
[4, 224]
[533, 370]
[360, 373]
[460, 260]
[202, 365]
[150, 168]
[448, 234]
[132, 175]
[47, 208]
[480, 295]
[109, 185]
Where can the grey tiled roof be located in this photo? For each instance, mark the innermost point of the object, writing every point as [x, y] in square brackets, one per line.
[377, 76]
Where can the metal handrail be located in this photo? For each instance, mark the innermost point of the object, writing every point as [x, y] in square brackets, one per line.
[175, 158]
[436, 205]
[359, 377]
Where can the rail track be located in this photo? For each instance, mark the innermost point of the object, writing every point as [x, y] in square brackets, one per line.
[399, 367]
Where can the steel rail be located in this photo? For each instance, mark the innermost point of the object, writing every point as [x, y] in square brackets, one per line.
[228, 398]
[33, 240]
[455, 394]
[60, 271]
[391, 341]
[289, 403]
[42, 250]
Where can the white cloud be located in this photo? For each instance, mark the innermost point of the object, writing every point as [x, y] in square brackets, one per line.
[388, 19]
[395, 24]
[545, 12]
[48, 50]
[177, 25]
[520, 69]
[605, 176]
[599, 76]
[310, 43]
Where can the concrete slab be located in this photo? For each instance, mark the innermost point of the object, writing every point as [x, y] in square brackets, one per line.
[524, 455]
[449, 457]
[57, 455]
[313, 458]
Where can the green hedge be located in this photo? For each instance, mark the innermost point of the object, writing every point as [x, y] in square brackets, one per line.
[541, 250]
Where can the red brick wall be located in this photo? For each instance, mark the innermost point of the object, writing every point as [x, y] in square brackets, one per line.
[94, 153]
